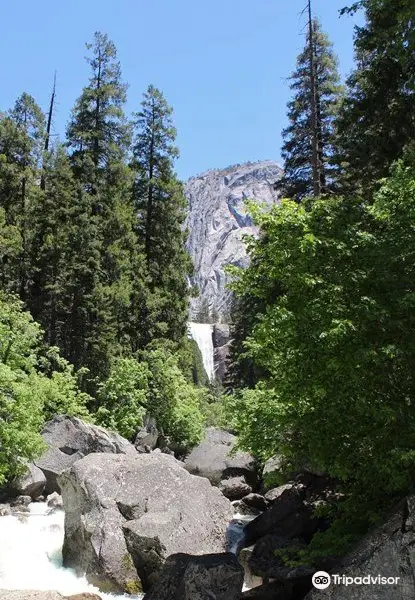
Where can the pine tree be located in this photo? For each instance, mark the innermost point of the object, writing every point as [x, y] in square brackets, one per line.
[98, 137]
[308, 140]
[161, 210]
[98, 130]
[377, 120]
[65, 260]
[21, 145]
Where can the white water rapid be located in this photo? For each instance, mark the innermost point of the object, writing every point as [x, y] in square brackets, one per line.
[31, 554]
[201, 333]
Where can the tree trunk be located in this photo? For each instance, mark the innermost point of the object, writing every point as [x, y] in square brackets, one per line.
[48, 128]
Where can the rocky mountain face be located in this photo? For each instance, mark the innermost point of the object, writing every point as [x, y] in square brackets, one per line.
[218, 221]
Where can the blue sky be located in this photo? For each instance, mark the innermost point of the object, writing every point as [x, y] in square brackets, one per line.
[222, 64]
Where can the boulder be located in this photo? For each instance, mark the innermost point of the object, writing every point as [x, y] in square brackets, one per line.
[147, 435]
[69, 439]
[288, 517]
[235, 488]
[124, 515]
[275, 494]
[32, 483]
[21, 501]
[388, 551]
[254, 503]
[185, 577]
[212, 459]
[54, 501]
[266, 559]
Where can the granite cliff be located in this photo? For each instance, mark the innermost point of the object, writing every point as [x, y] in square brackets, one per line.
[217, 222]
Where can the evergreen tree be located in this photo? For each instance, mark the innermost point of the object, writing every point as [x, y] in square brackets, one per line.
[21, 144]
[308, 140]
[161, 210]
[98, 137]
[98, 131]
[377, 120]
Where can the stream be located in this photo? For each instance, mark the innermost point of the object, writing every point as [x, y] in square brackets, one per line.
[31, 552]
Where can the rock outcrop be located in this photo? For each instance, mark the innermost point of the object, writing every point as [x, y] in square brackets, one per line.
[32, 483]
[185, 577]
[213, 458]
[124, 515]
[387, 551]
[217, 222]
[70, 439]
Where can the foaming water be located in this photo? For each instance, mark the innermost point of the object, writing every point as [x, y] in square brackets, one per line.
[31, 554]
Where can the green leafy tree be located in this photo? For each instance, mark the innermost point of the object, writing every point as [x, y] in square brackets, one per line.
[172, 401]
[336, 345]
[123, 397]
[161, 209]
[297, 150]
[377, 119]
[33, 387]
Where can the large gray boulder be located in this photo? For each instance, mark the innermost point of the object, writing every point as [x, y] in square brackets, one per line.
[212, 458]
[70, 439]
[125, 514]
[184, 577]
[32, 483]
[387, 551]
[288, 517]
[218, 221]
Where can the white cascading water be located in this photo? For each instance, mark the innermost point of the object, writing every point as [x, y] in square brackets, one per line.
[31, 554]
[201, 333]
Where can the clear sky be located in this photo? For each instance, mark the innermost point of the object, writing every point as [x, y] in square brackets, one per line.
[222, 64]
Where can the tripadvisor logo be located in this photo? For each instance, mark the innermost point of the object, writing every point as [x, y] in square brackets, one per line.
[321, 580]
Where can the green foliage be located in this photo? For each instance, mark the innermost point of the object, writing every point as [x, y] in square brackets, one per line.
[172, 401]
[20, 420]
[33, 387]
[156, 386]
[123, 397]
[336, 344]
[190, 362]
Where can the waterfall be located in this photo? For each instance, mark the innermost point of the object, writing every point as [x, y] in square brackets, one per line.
[201, 333]
[31, 554]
